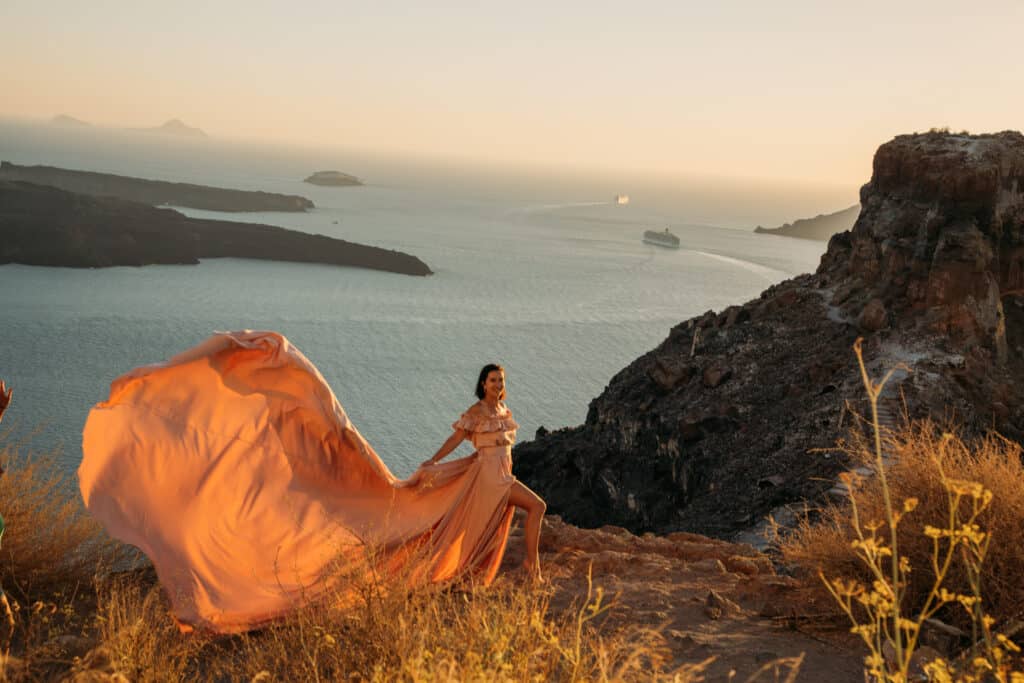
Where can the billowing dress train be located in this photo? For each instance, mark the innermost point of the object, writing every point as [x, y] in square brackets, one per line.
[233, 467]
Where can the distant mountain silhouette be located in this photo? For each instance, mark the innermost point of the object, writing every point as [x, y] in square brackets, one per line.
[821, 227]
[70, 121]
[176, 127]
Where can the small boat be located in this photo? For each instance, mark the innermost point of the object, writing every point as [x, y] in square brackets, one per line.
[622, 199]
[661, 239]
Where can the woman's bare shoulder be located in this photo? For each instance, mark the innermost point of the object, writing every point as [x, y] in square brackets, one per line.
[477, 408]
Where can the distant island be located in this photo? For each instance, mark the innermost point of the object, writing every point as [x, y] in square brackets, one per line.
[154, 192]
[48, 226]
[171, 127]
[821, 227]
[332, 179]
[175, 127]
[69, 121]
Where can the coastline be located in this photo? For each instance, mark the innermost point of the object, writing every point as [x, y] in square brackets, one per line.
[154, 192]
[47, 226]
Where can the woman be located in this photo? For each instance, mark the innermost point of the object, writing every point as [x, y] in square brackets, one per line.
[489, 425]
[236, 470]
[5, 402]
[5, 398]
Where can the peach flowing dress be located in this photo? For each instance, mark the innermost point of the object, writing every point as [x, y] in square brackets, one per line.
[233, 467]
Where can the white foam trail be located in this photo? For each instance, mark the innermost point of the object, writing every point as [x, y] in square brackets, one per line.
[772, 275]
[555, 207]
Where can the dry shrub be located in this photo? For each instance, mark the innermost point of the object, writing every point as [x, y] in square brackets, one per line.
[51, 542]
[136, 637]
[918, 452]
[51, 551]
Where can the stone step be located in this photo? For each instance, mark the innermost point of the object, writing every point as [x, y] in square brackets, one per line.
[889, 412]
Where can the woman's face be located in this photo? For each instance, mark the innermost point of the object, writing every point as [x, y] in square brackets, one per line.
[494, 385]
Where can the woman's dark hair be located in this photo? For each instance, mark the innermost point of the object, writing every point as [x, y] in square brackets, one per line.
[488, 369]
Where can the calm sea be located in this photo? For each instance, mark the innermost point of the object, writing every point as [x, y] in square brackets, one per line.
[546, 276]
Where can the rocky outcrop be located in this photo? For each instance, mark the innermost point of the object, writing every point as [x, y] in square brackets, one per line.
[46, 226]
[332, 179]
[725, 421]
[821, 227]
[154, 192]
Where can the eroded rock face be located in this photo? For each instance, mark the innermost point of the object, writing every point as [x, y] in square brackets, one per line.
[685, 437]
[939, 237]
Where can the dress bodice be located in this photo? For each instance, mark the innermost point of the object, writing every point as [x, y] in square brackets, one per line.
[488, 429]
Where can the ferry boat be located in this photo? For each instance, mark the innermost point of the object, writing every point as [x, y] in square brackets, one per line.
[622, 199]
[661, 239]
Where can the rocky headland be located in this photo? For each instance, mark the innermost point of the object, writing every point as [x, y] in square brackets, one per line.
[47, 226]
[332, 179]
[724, 422]
[820, 228]
[154, 192]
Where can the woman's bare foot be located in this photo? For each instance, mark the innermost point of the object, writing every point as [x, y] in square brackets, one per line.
[533, 574]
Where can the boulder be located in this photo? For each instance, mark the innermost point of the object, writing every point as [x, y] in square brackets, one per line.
[873, 317]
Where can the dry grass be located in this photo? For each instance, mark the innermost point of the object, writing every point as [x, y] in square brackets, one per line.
[502, 633]
[75, 619]
[918, 452]
[51, 542]
[914, 543]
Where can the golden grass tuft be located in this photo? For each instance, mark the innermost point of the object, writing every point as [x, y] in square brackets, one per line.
[51, 542]
[502, 633]
[918, 450]
[506, 632]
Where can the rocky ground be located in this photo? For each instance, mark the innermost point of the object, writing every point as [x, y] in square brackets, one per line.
[710, 598]
[733, 416]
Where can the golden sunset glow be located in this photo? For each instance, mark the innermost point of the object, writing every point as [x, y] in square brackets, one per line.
[792, 90]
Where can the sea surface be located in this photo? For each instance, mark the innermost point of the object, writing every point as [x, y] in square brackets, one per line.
[545, 276]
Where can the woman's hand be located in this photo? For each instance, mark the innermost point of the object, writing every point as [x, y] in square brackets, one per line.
[5, 398]
[450, 444]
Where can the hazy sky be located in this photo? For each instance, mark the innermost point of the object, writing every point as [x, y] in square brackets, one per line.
[790, 90]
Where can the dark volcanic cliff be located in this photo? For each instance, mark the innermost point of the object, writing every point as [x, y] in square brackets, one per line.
[713, 440]
[154, 192]
[46, 226]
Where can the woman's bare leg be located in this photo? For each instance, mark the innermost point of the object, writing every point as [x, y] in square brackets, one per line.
[523, 498]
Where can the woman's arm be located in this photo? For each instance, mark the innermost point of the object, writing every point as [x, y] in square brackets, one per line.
[453, 441]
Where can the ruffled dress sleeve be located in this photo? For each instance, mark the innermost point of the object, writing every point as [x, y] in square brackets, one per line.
[466, 422]
[473, 423]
